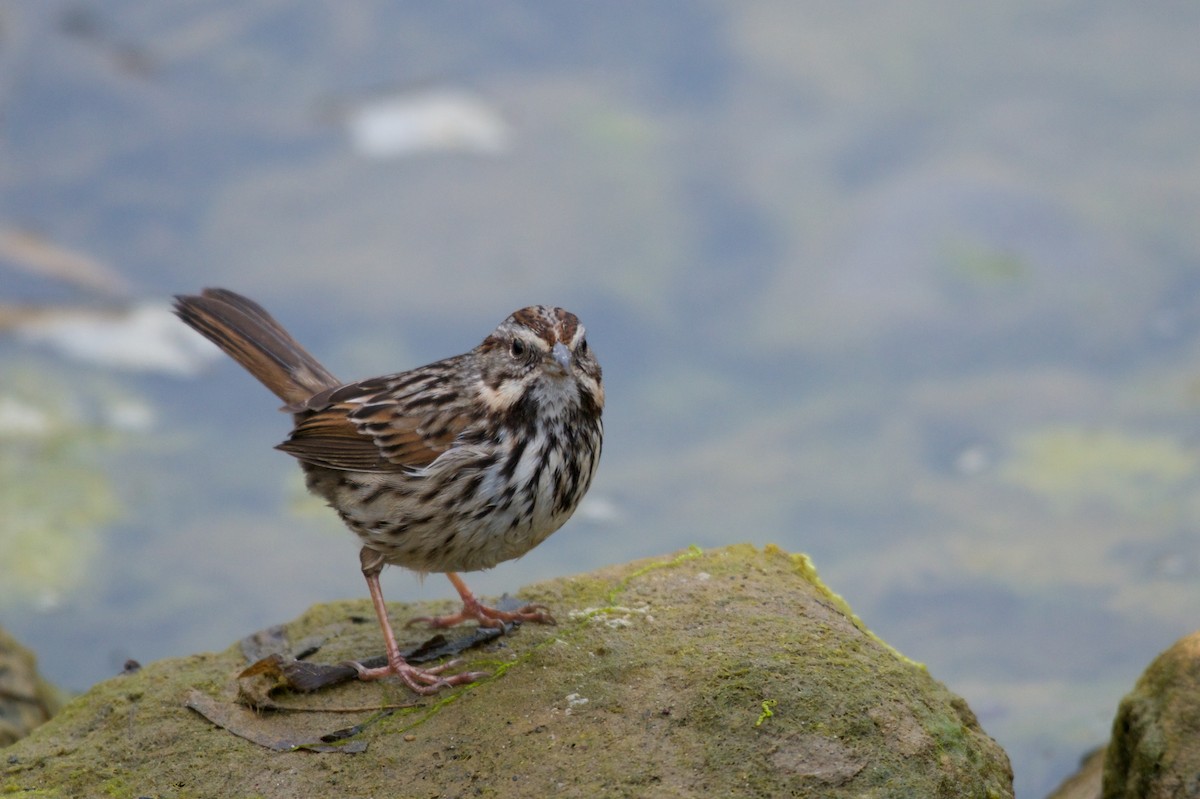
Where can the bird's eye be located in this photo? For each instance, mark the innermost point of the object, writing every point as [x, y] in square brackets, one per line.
[583, 347]
[518, 348]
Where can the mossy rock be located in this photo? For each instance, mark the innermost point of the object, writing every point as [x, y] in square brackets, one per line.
[731, 672]
[1086, 783]
[1153, 752]
[26, 700]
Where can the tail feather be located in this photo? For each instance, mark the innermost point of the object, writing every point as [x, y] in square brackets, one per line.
[252, 337]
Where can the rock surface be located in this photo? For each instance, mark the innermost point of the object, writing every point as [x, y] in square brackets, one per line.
[26, 700]
[732, 672]
[1085, 783]
[1154, 750]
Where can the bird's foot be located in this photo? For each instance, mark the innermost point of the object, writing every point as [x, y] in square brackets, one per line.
[474, 610]
[421, 681]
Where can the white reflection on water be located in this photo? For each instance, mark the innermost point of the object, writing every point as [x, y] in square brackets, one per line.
[144, 338]
[398, 126]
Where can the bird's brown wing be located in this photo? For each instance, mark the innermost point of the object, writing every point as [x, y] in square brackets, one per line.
[373, 426]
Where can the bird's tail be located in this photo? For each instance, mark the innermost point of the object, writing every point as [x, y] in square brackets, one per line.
[252, 337]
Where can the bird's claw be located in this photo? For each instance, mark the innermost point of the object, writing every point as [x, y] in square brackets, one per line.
[422, 681]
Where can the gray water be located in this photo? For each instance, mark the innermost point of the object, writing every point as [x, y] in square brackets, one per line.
[911, 289]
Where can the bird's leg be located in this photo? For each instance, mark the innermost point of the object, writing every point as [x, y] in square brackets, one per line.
[473, 609]
[423, 681]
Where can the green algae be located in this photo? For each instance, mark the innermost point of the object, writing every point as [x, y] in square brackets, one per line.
[49, 453]
[1071, 466]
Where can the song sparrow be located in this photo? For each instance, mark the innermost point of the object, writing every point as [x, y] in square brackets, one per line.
[454, 466]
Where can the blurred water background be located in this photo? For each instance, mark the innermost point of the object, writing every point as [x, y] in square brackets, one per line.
[913, 288]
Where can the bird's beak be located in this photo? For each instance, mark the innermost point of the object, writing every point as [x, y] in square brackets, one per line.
[562, 356]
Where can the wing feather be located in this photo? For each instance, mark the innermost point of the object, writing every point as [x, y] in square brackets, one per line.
[389, 424]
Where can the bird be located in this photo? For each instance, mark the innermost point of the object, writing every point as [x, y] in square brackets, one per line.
[450, 467]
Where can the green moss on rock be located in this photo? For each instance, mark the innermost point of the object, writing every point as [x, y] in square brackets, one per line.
[654, 682]
[1153, 750]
